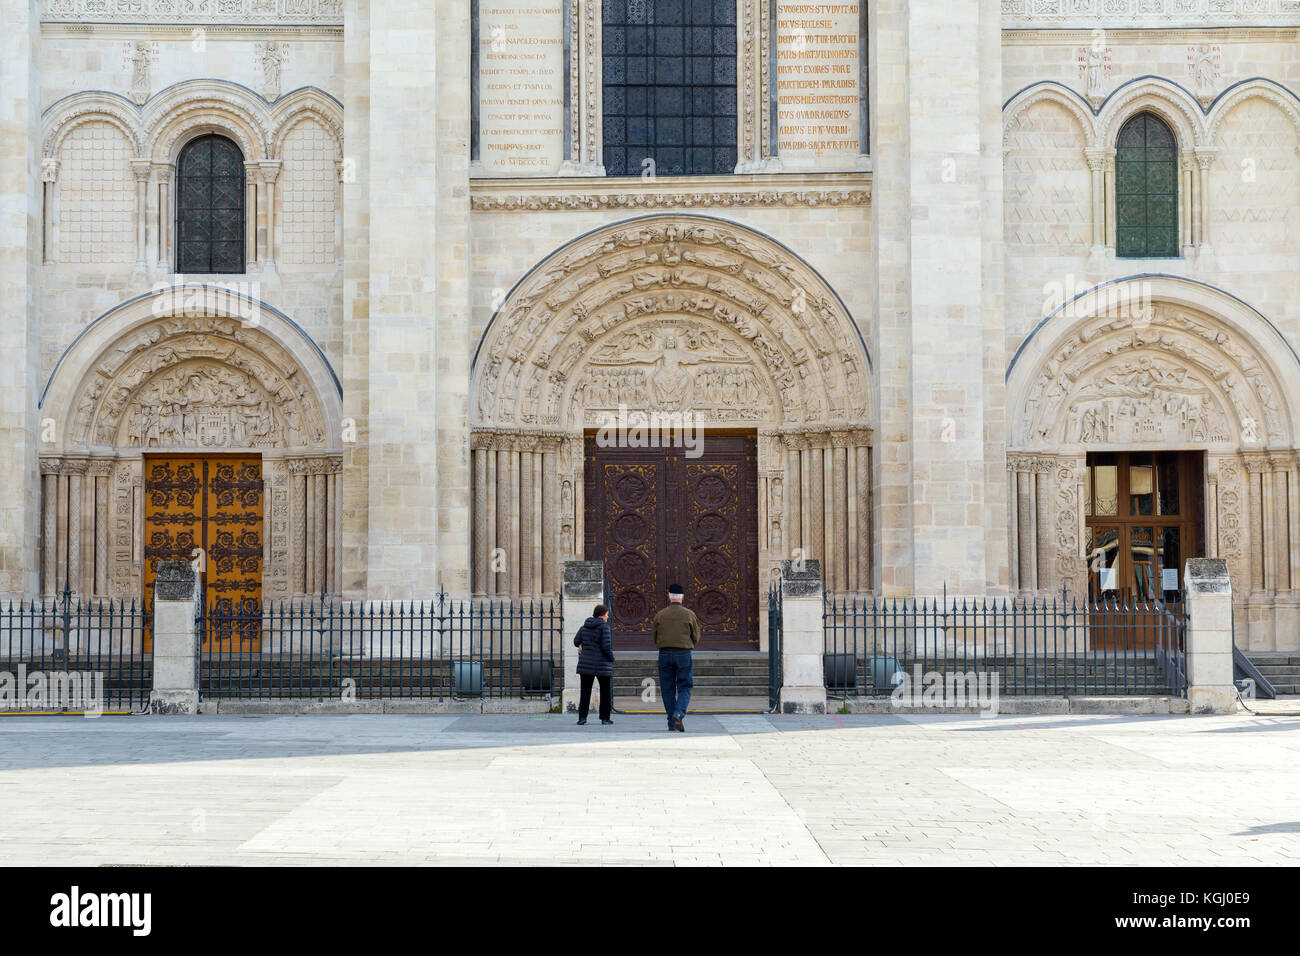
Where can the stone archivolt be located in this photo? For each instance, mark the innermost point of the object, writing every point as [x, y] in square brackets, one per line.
[724, 297]
[196, 382]
[1179, 378]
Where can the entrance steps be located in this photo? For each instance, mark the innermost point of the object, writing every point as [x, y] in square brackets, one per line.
[718, 674]
[1282, 668]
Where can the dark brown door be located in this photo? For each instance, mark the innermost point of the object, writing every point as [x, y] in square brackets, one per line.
[1143, 513]
[656, 517]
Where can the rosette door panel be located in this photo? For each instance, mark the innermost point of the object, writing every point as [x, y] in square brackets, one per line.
[209, 509]
[655, 516]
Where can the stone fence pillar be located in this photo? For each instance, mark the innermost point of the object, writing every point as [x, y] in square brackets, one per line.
[803, 689]
[175, 640]
[1210, 688]
[583, 587]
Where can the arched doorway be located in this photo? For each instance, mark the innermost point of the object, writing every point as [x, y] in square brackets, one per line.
[641, 321]
[191, 417]
[1153, 420]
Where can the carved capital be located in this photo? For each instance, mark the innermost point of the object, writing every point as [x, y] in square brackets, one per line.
[49, 170]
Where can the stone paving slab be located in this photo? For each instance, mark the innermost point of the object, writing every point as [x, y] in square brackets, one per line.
[736, 789]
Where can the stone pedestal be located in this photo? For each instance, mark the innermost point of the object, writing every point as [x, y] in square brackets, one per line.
[803, 689]
[175, 640]
[1210, 689]
[583, 587]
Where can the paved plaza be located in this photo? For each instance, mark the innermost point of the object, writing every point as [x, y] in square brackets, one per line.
[735, 789]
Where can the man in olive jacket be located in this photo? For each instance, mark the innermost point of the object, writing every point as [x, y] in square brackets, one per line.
[677, 631]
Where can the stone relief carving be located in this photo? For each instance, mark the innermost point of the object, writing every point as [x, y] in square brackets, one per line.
[1181, 376]
[204, 406]
[325, 12]
[1157, 14]
[141, 56]
[199, 381]
[1146, 400]
[670, 313]
[272, 56]
[674, 367]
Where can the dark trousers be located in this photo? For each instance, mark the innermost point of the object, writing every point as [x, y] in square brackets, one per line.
[606, 695]
[676, 678]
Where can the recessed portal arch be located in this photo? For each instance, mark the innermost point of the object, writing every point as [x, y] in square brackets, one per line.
[671, 314]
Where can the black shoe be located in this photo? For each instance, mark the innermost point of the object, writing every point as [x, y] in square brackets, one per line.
[581, 721]
[607, 721]
[677, 725]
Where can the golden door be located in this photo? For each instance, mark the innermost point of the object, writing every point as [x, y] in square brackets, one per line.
[209, 509]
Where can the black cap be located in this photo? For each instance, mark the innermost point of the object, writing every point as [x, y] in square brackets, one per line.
[675, 589]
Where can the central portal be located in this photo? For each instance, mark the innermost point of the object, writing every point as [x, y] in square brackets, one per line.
[655, 516]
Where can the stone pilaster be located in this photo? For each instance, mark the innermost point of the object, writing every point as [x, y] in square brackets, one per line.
[936, 95]
[21, 242]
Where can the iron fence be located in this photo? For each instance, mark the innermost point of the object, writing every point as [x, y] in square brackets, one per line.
[775, 632]
[66, 654]
[355, 650]
[1031, 646]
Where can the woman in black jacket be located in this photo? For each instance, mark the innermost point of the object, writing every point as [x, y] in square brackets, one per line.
[596, 662]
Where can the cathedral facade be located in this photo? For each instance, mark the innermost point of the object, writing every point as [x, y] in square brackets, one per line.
[381, 298]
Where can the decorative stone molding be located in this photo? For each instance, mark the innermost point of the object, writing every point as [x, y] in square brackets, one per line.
[195, 11]
[1089, 14]
[712, 192]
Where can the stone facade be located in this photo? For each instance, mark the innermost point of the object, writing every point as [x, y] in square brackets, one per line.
[927, 333]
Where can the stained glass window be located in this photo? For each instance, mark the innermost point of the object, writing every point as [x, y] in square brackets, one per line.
[1146, 189]
[210, 206]
[669, 77]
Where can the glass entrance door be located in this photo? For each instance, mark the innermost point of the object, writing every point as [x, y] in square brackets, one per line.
[1143, 511]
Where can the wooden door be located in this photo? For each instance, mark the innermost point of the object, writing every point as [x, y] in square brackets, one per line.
[1143, 516]
[656, 517]
[210, 507]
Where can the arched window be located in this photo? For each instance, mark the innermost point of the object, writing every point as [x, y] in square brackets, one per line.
[210, 206]
[1146, 189]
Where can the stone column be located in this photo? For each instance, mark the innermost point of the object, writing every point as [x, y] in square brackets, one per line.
[480, 520]
[527, 584]
[101, 531]
[1096, 159]
[1185, 207]
[141, 168]
[1204, 160]
[270, 171]
[49, 540]
[175, 640]
[74, 529]
[839, 511]
[583, 587]
[1110, 206]
[163, 173]
[550, 507]
[251, 214]
[321, 583]
[1208, 594]
[803, 689]
[501, 540]
[49, 180]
